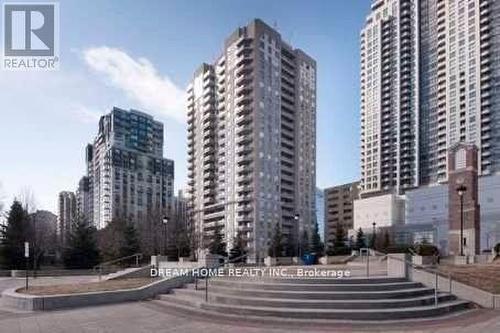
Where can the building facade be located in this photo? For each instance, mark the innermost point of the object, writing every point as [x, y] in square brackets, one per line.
[389, 122]
[84, 199]
[320, 213]
[429, 206]
[384, 210]
[428, 81]
[128, 176]
[339, 209]
[67, 213]
[463, 200]
[180, 211]
[251, 140]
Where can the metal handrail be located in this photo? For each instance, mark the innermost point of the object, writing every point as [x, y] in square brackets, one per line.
[436, 273]
[225, 262]
[99, 267]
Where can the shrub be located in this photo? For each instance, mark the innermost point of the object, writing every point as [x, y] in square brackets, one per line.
[426, 250]
[398, 249]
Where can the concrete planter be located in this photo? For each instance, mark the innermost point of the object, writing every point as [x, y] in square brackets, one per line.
[481, 297]
[13, 299]
[57, 272]
[335, 260]
[270, 261]
[461, 260]
[423, 260]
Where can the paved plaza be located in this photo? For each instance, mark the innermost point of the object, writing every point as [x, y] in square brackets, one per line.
[149, 317]
[146, 317]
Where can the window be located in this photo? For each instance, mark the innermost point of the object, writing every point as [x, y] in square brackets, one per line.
[460, 159]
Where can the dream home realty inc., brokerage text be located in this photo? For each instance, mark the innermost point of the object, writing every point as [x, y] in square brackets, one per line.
[250, 272]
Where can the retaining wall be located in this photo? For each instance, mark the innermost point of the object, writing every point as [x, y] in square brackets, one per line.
[397, 267]
[11, 298]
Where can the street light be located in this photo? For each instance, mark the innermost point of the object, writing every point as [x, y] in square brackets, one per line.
[461, 191]
[373, 235]
[165, 223]
[296, 218]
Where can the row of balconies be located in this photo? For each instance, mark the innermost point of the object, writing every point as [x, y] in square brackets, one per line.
[244, 159]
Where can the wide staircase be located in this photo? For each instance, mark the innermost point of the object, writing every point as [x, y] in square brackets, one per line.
[357, 298]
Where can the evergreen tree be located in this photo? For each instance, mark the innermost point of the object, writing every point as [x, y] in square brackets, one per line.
[182, 242]
[305, 247]
[110, 239]
[276, 248]
[238, 249]
[218, 246]
[317, 246]
[130, 243]
[291, 247]
[339, 246]
[373, 240]
[82, 249]
[360, 239]
[14, 235]
[387, 240]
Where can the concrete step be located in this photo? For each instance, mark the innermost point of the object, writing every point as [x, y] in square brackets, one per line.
[174, 307]
[335, 281]
[314, 294]
[353, 270]
[353, 314]
[330, 314]
[189, 297]
[276, 285]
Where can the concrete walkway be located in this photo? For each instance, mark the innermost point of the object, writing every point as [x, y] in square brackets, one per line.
[146, 317]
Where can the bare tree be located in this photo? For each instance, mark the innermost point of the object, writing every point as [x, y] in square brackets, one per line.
[151, 233]
[110, 239]
[41, 231]
[27, 199]
[42, 236]
[2, 198]
[178, 235]
[3, 215]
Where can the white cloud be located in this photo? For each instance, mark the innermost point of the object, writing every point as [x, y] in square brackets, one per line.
[139, 80]
[47, 118]
[86, 114]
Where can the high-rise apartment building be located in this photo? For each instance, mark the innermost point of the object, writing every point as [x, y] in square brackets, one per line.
[129, 178]
[66, 215]
[339, 209]
[84, 199]
[320, 212]
[251, 140]
[180, 211]
[428, 81]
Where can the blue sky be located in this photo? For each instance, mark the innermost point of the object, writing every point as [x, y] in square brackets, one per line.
[141, 54]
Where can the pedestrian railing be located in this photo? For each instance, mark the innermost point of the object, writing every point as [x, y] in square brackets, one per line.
[242, 260]
[98, 269]
[433, 271]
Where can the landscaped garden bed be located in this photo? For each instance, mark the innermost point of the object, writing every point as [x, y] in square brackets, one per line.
[485, 277]
[108, 285]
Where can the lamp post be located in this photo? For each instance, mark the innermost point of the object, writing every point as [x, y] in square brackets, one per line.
[165, 223]
[373, 235]
[461, 191]
[296, 218]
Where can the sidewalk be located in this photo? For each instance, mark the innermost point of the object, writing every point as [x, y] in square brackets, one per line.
[145, 317]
